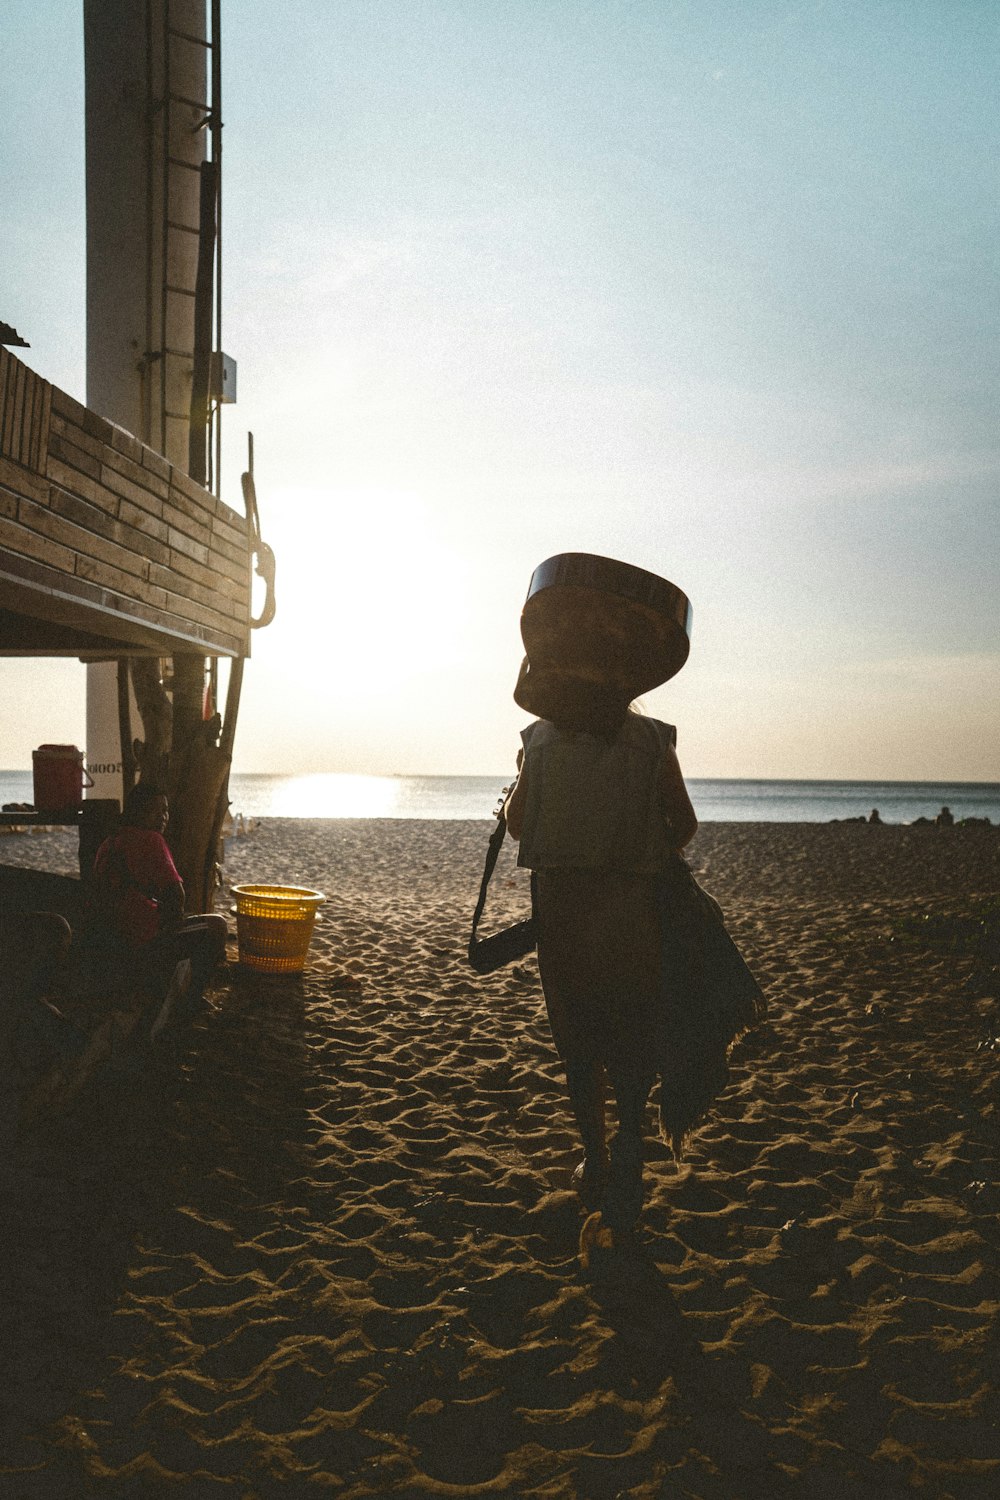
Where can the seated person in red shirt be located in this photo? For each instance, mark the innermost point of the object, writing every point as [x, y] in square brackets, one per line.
[140, 900]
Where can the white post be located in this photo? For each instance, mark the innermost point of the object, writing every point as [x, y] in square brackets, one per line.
[104, 747]
[144, 141]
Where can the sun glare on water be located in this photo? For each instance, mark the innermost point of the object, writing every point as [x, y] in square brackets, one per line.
[335, 795]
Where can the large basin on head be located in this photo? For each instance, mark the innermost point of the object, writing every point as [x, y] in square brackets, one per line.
[274, 924]
[592, 622]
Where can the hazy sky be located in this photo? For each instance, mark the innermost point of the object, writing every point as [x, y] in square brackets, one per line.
[708, 287]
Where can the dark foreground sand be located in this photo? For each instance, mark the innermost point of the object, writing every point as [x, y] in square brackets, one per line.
[321, 1243]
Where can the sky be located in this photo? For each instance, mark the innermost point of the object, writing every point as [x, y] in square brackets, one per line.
[708, 287]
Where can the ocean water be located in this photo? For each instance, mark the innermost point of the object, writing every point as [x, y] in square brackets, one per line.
[336, 795]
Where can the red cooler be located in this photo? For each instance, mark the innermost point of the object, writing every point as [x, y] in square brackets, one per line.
[58, 776]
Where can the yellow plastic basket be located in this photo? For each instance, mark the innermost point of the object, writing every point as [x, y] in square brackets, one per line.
[274, 924]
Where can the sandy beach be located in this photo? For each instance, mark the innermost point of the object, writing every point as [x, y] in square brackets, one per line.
[321, 1240]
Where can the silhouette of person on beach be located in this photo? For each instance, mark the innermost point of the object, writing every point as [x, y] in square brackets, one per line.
[945, 818]
[601, 812]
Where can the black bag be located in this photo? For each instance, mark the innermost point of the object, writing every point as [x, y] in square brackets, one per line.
[491, 953]
[487, 954]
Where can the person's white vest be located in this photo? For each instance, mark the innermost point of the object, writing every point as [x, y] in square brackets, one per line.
[594, 804]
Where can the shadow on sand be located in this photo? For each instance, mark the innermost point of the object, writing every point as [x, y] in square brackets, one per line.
[99, 1199]
[654, 1342]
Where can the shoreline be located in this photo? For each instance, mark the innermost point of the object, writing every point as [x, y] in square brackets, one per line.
[443, 797]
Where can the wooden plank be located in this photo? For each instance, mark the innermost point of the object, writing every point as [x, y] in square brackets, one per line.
[156, 463]
[187, 566]
[123, 441]
[86, 543]
[213, 640]
[16, 434]
[136, 473]
[110, 577]
[98, 427]
[238, 610]
[69, 409]
[185, 628]
[179, 542]
[120, 531]
[31, 390]
[20, 380]
[212, 619]
[81, 484]
[37, 408]
[28, 543]
[220, 589]
[231, 517]
[7, 413]
[234, 548]
[23, 481]
[220, 564]
[88, 516]
[227, 596]
[209, 576]
[151, 547]
[33, 396]
[15, 398]
[137, 493]
[40, 432]
[141, 521]
[190, 489]
[76, 435]
[198, 531]
[236, 536]
[200, 513]
[113, 528]
[43, 434]
[235, 554]
[32, 588]
[192, 594]
[69, 453]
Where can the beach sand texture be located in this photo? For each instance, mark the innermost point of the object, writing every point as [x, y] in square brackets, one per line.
[323, 1243]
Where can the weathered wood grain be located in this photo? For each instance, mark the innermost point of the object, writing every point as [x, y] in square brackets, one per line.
[92, 520]
[28, 543]
[48, 523]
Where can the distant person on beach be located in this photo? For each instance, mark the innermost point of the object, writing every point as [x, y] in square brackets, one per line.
[873, 816]
[945, 818]
[139, 902]
[601, 812]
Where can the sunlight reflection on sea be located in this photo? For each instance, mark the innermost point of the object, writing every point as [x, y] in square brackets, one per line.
[339, 795]
[331, 795]
[342, 795]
